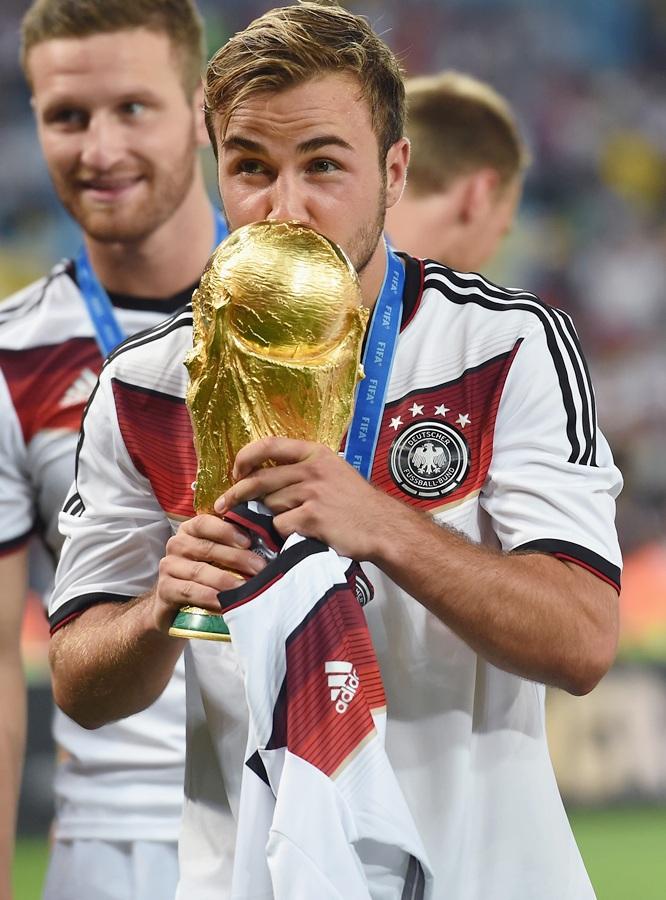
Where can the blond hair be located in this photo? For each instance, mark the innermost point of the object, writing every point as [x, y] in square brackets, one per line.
[456, 125]
[288, 46]
[179, 20]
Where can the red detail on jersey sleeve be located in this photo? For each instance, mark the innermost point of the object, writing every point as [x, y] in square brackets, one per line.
[69, 618]
[566, 558]
[39, 378]
[157, 432]
[317, 731]
[476, 394]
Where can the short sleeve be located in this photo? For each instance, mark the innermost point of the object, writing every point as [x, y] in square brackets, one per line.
[16, 502]
[115, 530]
[552, 483]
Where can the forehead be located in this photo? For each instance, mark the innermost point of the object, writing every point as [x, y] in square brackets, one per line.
[113, 61]
[331, 104]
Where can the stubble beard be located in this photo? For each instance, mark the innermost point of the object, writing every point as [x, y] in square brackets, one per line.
[368, 236]
[167, 191]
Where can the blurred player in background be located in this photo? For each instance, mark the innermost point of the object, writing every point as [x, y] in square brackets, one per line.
[117, 96]
[465, 171]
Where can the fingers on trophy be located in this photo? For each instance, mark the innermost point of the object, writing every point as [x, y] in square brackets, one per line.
[278, 324]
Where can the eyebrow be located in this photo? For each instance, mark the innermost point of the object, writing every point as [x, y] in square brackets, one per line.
[235, 142]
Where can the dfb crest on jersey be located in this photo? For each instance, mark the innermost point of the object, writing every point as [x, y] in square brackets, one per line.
[429, 459]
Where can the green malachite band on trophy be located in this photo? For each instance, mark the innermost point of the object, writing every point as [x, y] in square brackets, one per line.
[194, 622]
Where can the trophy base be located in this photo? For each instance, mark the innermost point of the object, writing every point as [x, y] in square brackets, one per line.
[193, 622]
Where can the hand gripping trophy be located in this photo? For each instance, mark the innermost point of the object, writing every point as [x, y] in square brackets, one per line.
[278, 328]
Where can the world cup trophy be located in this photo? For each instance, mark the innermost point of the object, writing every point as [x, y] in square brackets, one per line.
[278, 324]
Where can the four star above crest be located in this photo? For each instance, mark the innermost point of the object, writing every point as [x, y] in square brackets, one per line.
[416, 409]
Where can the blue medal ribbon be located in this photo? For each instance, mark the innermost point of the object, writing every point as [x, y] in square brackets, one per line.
[377, 362]
[108, 332]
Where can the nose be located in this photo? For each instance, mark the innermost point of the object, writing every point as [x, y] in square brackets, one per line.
[287, 200]
[103, 142]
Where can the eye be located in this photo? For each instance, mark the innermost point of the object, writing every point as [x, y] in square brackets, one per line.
[251, 167]
[133, 108]
[323, 166]
[67, 118]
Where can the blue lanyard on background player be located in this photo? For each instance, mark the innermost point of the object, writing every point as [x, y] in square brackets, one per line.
[100, 309]
[377, 362]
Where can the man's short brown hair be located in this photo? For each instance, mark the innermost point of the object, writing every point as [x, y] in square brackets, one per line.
[456, 125]
[179, 20]
[289, 45]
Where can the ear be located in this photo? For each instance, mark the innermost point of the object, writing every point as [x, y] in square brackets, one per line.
[478, 195]
[199, 119]
[397, 160]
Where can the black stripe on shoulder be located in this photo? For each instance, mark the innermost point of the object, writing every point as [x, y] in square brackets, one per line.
[585, 382]
[78, 507]
[77, 605]
[180, 319]
[11, 546]
[561, 339]
[15, 311]
[575, 553]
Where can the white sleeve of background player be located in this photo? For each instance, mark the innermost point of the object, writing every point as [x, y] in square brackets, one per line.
[552, 482]
[51, 456]
[115, 531]
[16, 503]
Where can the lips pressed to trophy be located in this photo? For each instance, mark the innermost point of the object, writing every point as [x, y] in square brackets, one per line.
[278, 327]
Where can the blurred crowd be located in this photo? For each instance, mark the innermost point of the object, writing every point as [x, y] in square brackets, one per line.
[588, 82]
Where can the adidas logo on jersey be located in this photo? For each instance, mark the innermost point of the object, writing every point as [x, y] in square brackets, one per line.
[343, 682]
[79, 392]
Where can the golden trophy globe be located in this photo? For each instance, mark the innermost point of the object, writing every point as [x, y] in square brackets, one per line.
[278, 324]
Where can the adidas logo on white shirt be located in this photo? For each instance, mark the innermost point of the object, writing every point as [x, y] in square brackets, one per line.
[343, 682]
[80, 390]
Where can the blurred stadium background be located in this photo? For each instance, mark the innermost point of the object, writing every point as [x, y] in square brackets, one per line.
[588, 81]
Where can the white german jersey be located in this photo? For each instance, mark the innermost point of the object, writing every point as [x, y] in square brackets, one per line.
[124, 780]
[490, 427]
[321, 813]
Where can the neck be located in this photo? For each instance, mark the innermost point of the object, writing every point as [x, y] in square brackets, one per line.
[163, 263]
[372, 276]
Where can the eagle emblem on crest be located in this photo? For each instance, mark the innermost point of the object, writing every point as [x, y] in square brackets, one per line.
[429, 459]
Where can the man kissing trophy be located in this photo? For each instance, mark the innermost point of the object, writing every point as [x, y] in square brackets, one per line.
[278, 324]
[278, 329]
